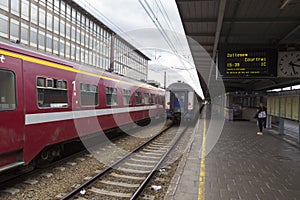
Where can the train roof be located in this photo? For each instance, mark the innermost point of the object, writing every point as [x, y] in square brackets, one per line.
[24, 52]
[180, 86]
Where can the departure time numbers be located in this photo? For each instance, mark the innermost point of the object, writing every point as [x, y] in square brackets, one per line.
[246, 64]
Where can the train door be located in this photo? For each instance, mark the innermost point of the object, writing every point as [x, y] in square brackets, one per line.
[180, 104]
[12, 120]
[173, 101]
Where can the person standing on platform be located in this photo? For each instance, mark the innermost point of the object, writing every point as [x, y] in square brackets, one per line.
[261, 117]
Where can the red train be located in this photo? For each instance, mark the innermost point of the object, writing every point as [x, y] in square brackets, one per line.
[46, 101]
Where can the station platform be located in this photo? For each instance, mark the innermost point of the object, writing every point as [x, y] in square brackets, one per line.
[242, 165]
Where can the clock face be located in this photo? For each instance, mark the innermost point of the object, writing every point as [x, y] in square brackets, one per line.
[289, 64]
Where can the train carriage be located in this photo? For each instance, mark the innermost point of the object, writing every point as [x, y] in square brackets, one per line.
[182, 103]
[46, 101]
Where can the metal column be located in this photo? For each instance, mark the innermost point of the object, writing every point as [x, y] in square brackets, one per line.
[281, 126]
[299, 119]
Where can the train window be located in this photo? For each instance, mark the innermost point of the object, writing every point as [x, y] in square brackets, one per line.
[52, 93]
[152, 98]
[146, 98]
[41, 82]
[61, 84]
[138, 98]
[126, 97]
[7, 90]
[49, 83]
[111, 96]
[89, 94]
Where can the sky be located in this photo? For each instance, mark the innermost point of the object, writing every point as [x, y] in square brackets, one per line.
[154, 27]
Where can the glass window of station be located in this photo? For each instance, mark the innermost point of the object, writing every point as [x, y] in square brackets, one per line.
[128, 61]
[61, 28]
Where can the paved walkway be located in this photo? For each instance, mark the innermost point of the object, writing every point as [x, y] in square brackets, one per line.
[242, 165]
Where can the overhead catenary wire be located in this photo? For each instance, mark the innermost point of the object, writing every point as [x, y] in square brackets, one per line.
[168, 22]
[154, 18]
[157, 23]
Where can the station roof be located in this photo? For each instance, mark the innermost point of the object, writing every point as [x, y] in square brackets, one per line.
[215, 24]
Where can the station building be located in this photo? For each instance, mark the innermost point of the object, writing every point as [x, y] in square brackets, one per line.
[64, 29]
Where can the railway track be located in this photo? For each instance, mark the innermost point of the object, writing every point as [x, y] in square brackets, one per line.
[15, 176]
[127, 177]
[85, 164]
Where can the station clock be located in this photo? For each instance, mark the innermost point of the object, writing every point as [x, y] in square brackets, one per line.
[288, 64]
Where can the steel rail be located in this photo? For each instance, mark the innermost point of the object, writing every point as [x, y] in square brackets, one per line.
[105, 171]
[153, 171]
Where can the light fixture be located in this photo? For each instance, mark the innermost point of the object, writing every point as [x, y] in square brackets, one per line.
[284, 4]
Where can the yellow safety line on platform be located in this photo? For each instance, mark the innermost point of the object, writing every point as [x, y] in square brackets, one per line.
[201, 190]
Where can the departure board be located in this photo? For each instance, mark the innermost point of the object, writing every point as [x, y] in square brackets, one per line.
[247, 63]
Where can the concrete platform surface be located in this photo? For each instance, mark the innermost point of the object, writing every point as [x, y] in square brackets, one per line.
[242, 165]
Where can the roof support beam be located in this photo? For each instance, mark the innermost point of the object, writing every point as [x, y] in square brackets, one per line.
[289, 34]
[191, 1]
[237, 4]
[201, 34]
[222, 6]
[243, 20]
